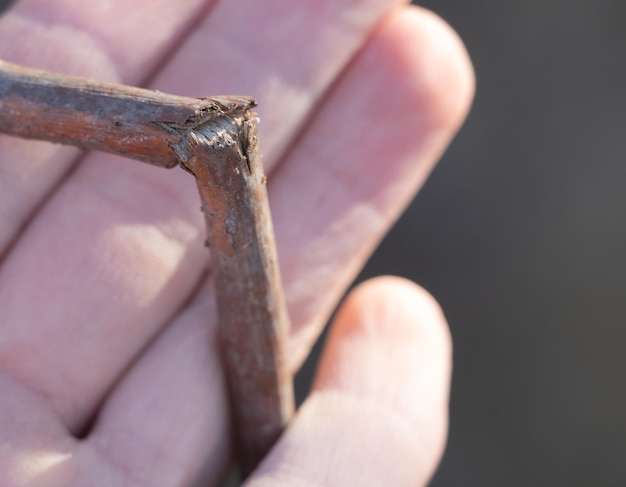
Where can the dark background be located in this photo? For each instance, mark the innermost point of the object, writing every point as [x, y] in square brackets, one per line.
[519, 234]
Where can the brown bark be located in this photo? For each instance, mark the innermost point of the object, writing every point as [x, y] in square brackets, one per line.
[129, 121]
[223, 156]
[215, 140]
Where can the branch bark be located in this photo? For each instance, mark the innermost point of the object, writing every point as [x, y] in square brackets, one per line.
[215, 140]
[124, 120]
[222, 153]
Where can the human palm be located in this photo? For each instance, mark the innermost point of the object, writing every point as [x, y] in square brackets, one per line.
[109, 366]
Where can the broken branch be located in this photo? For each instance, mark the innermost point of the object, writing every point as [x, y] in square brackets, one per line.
[215, 140]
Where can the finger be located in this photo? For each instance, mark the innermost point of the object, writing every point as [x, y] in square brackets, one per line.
[286, 54]
[378, 411]
[83, 38]
[170, 410]
[123, 240]
[201, 432]
[364, 156]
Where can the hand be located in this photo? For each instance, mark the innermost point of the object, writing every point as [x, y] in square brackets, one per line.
[109, 370]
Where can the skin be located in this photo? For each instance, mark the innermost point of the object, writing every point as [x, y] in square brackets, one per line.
[109, 370]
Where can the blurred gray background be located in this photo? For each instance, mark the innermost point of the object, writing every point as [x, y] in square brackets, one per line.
[520, 235]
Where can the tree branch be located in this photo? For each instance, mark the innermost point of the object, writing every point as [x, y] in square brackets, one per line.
[215, 140]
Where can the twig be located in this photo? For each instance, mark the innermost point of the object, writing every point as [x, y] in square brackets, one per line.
[214, 139]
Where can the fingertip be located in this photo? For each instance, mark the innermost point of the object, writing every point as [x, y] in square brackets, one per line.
[393, 299]
[387, 319]
[390, 345]
[437, 58]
